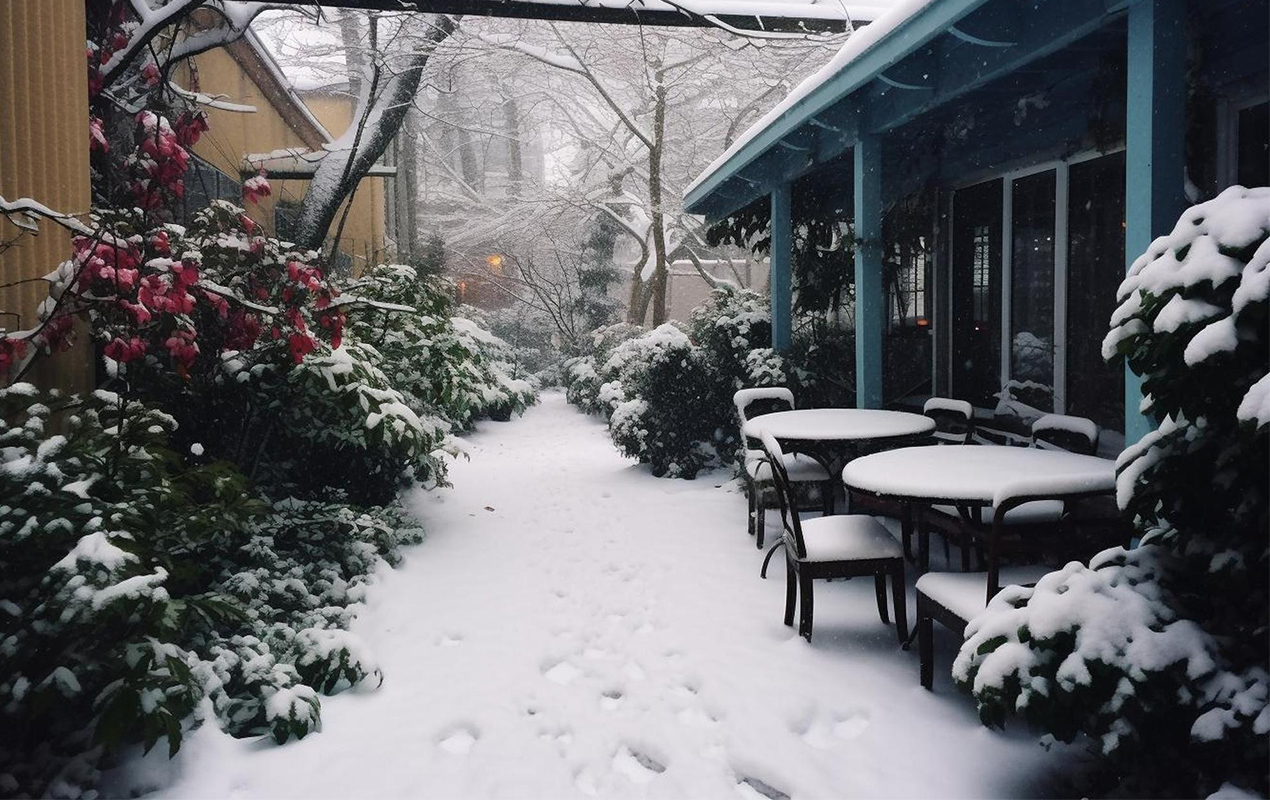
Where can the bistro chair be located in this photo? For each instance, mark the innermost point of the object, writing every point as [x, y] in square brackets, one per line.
[1062, 432]
[804, 470]
[840, 546]
[954, 598]
[954, 420]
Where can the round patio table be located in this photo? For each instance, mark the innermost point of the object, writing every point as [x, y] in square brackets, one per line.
[838, 425]
[970, 476]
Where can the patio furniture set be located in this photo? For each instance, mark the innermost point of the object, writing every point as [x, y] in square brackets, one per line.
[1010, 510]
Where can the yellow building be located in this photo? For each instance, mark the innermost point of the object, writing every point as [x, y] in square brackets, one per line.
[283, 136]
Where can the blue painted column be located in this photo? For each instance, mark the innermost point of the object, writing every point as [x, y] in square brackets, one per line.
[1154, 147]
[870, 300]
[781, 254]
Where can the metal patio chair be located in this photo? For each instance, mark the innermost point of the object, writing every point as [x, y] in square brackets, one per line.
[839, 546]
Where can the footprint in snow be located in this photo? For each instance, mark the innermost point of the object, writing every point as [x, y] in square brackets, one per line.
[755, 789]
[585, 781]
[636, 766]
[562, 673]
[451, 640]
[611, 700]
[459, 741]
[823, 732]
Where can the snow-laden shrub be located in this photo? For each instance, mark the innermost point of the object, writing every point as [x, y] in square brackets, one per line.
[1160, 653]
[669, 422]
[447, 366]
[584, 376]
[136, 585]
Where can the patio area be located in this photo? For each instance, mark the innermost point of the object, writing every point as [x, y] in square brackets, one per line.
[612, 638]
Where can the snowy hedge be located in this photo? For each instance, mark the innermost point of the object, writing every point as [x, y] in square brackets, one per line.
[668, 392]
[1160, 653]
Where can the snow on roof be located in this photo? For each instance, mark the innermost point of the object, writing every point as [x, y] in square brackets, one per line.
[275, 69]
[858, 43]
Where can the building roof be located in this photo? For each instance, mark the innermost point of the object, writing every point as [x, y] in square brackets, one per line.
[918, 56]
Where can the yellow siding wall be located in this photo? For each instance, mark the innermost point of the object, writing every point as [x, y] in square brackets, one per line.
[44, 156]
[233, 135]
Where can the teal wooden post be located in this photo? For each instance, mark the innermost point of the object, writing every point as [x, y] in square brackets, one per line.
[1154, 147]
[870, 301]
[782, 252]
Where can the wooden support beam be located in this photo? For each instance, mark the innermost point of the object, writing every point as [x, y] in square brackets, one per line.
[801, 17]
[1154, 147]
[870, 297]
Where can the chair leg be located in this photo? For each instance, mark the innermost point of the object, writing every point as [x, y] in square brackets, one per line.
[826, 498]
[791, 592]
[749, 517]
[804, 584]
[762, 573]
[900, 601]
[760, 522]
[879, 586]
[925, 647]
[906, 531]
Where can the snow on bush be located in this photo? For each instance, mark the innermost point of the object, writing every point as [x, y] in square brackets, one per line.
[1160, 653]
[136, 585]
[668, 392]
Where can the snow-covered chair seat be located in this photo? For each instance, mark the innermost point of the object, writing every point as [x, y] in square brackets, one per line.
[964, 594]
[848, 537]
[847, 546]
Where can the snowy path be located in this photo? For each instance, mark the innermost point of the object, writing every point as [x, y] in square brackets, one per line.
[573, 627]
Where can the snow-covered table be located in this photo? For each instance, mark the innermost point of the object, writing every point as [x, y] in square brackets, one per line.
[820, 425]
[971, 477]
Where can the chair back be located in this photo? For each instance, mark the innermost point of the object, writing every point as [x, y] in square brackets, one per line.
[954, 420]
[1074, 434]
[751, 403]
[1025, 491]
[784, 495]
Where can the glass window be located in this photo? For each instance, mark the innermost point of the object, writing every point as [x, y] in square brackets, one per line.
[1032, 290]
[981, 278]
[975, 327]
[1095, 267]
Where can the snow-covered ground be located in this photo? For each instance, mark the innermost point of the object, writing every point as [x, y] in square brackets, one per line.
[574, 627]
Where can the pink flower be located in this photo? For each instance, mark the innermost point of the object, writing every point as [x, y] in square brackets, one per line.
[123, 352]
[256, 187]
[301, 345]
[150, 72]
[97, 136]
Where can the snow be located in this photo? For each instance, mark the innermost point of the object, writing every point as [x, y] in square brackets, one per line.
[859, 43]
[962, 407]
[838, 424]
[745, 397]
[976, 474]
[1255, 407]
[552, 557]
[1080, 426]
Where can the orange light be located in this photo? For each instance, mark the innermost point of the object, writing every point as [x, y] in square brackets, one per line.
[495, 262]
[922, 322]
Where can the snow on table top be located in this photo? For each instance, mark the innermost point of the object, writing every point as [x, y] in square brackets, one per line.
[838, 424]
[977, 473]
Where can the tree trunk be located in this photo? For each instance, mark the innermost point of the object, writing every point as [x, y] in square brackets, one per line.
[655, 198]
[363, 144]
[515, 157]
